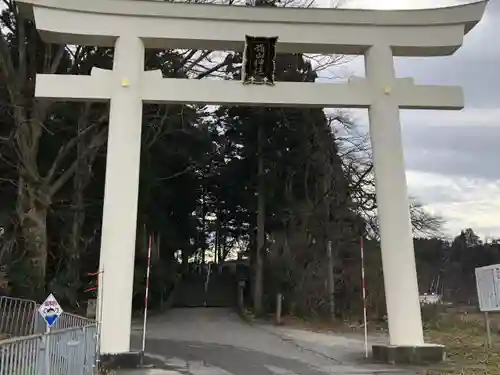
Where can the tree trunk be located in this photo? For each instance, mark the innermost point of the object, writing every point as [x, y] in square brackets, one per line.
[73, 253]
[327, 189]
[331, 283]
[259, 263]
[74, 248]
[218, 248]
[203, 225]
[82, 177]
[32, 214]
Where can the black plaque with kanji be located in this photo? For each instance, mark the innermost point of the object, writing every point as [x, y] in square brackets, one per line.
[259, 65]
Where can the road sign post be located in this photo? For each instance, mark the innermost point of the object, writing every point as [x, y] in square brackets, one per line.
[50, 310]
[488, 294]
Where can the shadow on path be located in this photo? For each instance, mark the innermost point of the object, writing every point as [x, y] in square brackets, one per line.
[218, 342]
[196, 358]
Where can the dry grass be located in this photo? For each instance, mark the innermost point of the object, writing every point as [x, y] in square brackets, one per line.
[106, 372]
[464, 336]
[321, 325]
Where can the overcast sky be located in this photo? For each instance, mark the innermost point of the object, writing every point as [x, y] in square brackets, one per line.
[453, 157]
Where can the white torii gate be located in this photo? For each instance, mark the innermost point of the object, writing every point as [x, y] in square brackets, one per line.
[131, 26]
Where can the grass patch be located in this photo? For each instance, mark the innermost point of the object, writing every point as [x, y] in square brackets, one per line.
[462, 333]
[464, 336]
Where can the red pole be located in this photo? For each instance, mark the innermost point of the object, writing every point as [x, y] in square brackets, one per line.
[363, 286]
[146, 295]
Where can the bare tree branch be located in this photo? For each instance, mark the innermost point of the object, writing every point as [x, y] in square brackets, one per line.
[57, 59]
[68, 146]
[7, 68]
[97, 141]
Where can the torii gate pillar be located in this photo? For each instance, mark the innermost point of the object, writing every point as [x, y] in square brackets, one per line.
[131, 26]
[119, 220]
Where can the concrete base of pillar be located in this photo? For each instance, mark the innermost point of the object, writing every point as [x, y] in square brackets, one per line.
[129, 360]
[414, 355]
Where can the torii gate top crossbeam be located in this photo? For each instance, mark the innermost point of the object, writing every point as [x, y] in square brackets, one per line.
[423, 32]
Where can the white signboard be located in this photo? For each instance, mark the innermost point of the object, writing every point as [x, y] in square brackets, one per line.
[50, 310]
[488, 287]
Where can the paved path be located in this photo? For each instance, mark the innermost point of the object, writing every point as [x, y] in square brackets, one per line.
[217, 342]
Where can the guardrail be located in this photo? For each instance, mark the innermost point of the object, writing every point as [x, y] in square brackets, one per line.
[26, 348]
[63, 352]
[20, 317]
[66, 320]
[16, 317]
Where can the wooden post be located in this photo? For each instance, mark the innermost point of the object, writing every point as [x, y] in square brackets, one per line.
[279, 300]
[489, 344]
[241, 301]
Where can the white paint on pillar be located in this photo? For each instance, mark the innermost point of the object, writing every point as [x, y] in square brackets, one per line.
[121, 195]
[398, 257]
